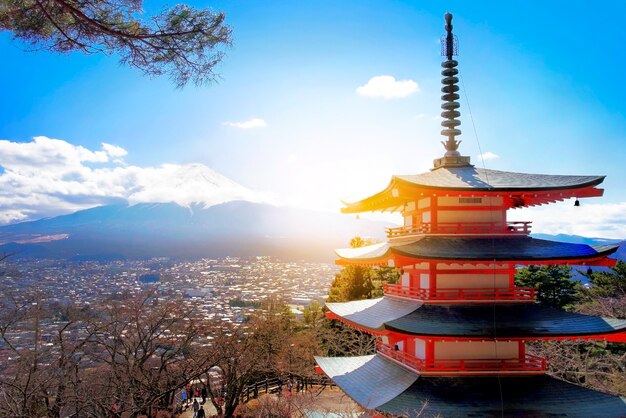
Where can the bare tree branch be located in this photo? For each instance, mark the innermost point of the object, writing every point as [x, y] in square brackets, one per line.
[184, 42]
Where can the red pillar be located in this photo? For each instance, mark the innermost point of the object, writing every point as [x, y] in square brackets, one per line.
[430, 351]
[432, 275]
[512, 270]
[433, 213]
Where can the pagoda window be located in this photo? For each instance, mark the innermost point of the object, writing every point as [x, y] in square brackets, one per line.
[466, 200]
[471, 201]
[397, 345]
[419, 348]
[424, 281]
[406, 280]
[423, 203]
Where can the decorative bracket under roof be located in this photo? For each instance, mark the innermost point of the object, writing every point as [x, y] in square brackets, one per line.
[449, 48]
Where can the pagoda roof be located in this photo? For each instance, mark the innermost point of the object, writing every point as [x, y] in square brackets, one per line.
[521, 249]
[502, 321]
[373, 313]
[370, 380]
[377, 383]
[479, 321]
[474, 180]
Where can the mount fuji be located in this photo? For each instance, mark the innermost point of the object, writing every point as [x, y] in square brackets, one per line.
[188, 185]
[186, 211]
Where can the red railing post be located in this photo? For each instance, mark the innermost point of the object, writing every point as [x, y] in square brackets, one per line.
[521, 293]
[527, 363]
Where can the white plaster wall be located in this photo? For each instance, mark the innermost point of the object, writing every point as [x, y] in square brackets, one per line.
[424, 281]
[420, 348]
[423, 203]
[472, 281]
[406, 280]
[410, 206]
[470, 216]
[426, 217]
[454, 201]
[476, 350]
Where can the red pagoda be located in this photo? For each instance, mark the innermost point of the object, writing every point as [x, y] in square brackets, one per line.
[452, 334]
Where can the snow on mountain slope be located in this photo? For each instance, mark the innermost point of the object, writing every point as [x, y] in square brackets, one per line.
[186, 185]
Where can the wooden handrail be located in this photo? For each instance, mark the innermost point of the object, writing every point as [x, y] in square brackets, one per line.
[528, 363]
[518, 227]
[487, 294]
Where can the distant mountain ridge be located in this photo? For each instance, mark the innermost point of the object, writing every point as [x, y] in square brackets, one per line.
[577, 239]
[237, 228]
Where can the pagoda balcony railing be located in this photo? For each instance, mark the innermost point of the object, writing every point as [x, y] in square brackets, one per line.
[529, 363]
[452, 228]
[466, 294]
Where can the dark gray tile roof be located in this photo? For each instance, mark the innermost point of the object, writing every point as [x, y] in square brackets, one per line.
[377, 383]
[369, 380]
[524, 396]
[482, 179]
[373, 313]
[501, 321]
[452, 248]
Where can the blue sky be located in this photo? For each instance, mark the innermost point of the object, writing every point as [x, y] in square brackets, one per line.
[543, 80]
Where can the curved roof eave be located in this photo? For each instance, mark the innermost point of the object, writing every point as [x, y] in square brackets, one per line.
[536, 396]
[377, 383]
[372, 314]
[472, 321]
[370, 381]
[358, 206]
[374, 202]
[502, 321]
[510, 249]
[478, 179]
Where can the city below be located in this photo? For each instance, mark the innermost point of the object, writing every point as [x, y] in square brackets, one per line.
[227, 289]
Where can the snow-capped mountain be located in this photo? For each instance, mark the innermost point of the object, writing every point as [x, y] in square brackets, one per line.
[236, 228]
[188, 185]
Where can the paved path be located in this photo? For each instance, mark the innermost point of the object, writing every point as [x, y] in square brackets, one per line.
[209, 410]
[330, 400]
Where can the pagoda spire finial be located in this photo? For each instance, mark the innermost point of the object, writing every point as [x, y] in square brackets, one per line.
[451, 44]
[449, 48]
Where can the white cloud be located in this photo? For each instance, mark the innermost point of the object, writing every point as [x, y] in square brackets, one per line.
[594, 220]
[488, 156]
[387, 87]
[10, 216]
[48, 177]
[114, 151]
[248, 124]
